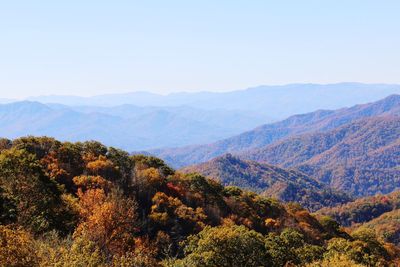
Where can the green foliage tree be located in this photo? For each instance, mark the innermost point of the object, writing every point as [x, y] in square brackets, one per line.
[37, 198]
[368, 252]
[290, 247]
[335, 261]
[226, 246]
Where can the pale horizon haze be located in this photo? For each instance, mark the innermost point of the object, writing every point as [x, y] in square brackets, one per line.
[100, 47]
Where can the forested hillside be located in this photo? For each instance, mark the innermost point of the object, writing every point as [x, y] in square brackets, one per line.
[386, 227]
[363, 209]
[361, 157]
[285, 185]
[380, 213]
[318, 121]
[83, 204]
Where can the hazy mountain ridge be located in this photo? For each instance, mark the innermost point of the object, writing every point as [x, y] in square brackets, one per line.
[126, 126]
[318, 121]
[277, 101]
[285, 185]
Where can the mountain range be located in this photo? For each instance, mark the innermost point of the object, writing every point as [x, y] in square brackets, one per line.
[127, 126]
[355, 150]
[141, 121]
[314, 122]
[277, 102]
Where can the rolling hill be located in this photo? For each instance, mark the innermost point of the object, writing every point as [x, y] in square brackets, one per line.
[285, 185]
[318, 121]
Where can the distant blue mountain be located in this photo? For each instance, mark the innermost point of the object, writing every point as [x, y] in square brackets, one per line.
[128, 127]
[144, 121]
[276, 102]
[6, 100]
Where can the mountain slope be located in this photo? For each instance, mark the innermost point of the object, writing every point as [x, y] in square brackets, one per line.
[318, 121]
[286, 185]
[362, 157]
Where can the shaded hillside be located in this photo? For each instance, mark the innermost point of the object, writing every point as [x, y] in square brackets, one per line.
[84, 204]
[363, 209]
[318, 121]
[285, 185]
[128, 127]
[386, 227]
[362, 157]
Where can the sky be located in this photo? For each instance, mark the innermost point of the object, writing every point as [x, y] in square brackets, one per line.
[89, 47]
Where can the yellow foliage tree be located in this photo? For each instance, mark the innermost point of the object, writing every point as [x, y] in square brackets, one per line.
[16, 247]
[109, 221]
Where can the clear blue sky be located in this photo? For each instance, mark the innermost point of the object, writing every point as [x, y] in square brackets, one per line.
[94, 47]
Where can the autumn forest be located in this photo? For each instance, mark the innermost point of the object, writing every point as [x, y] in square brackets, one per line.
[83, 204]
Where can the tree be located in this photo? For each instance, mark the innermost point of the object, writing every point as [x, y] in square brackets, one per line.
[172, 215]
[93, 149]
[83, 253]
[16, 247]
[39, 146]
[336, 261]
[7, 209]
[360, 251]
[123, 165]
[5, 144]
[103, 167]
[282, 248]
[142, 161]
[226, 246]
[110, 221]
[37, 198]
[290, 247]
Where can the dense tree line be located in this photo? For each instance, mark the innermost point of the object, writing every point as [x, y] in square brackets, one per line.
[83, 204]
